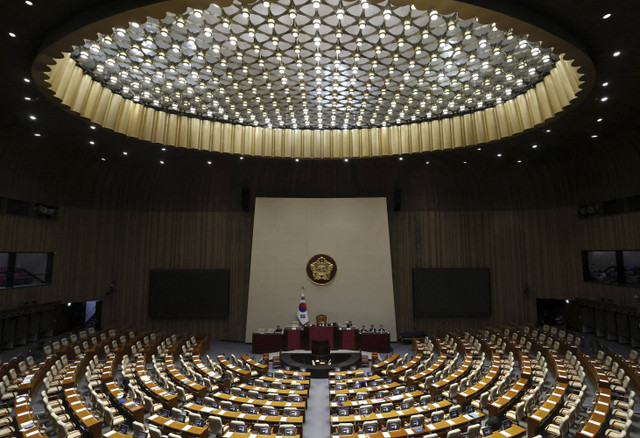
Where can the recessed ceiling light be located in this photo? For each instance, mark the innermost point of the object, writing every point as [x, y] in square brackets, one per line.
[242, 158]
[37, 134]
[32, 117]
[594, 136]
[464, 162]
[103, 159]
[92, 127]
[346, 160]
[92, 142]
[616, 53]
[125, 153]
[161, 162]
[209, 162]
[427, 162]
[27, 80]
[479, 149]
[606, 16]
[599, 120]
[27, 98]
[164, 149]
[28, 2]
[519, 161]
[498, 155]
[604, 99]
[12, 35]
[534, 146]
[400, 158]
[547, 130]
[604, 84]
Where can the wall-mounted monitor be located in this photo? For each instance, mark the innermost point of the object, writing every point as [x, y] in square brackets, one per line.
[444, 292]
[189, 293]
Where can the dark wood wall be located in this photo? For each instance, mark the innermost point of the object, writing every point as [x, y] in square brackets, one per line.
[535, 248]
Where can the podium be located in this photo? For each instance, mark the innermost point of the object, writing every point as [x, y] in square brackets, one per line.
[292, 338]
[320, 333]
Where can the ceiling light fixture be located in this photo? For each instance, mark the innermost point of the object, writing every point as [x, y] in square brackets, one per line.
[187, 71]
[606, 16]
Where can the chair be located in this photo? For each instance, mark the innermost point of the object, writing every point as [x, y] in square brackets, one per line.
[321, 319]
[394, 424]
[287, 429]
[154, 432]
[370, 426]
[517, 413]
[235, 424]
[561, 429]
[473, 431]
[455, 433]
[366, 409]
[416, 420]
[345, 428]
[215, 426]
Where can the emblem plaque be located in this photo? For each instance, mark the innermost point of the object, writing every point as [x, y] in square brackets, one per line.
[321, 269]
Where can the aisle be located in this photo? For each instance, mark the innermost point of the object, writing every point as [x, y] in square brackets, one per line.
[317, 424]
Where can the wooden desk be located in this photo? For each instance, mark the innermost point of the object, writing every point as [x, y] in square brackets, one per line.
[595, 423]
[377, 368]
[351, 381]
[458, 374]
[462, 422]
[504, 403]
[203, 369]
[548, 409]
[465, 397]
[513, 432]
[230, 434]
[437, 365]
[114, 434]
[287, 382]
[345, 373]
[292, 338]
[320, 333]
[168, 425]
[240, 372]
[168, 400]
[129, 407]
[260, 402]
[333, 405]
[175, 374]
[348, 338]
[34, 377]
[404, 414]
[379, 342]
[267, 342]
[283, 392]
[366, 389]
[82, 414]
[398, 371]
[261, 368]
[228, 416]
[26, 418]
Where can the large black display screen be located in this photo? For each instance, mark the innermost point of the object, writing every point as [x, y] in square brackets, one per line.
[451, 292]
[189, 293]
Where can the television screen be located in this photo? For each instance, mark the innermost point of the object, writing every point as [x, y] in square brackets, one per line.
[451, 292]
[189, 293]
[600, 267]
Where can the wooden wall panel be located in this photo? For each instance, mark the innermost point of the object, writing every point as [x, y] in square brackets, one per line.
[533, 250]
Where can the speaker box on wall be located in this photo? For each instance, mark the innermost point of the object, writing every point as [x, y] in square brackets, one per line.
[397, 199]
